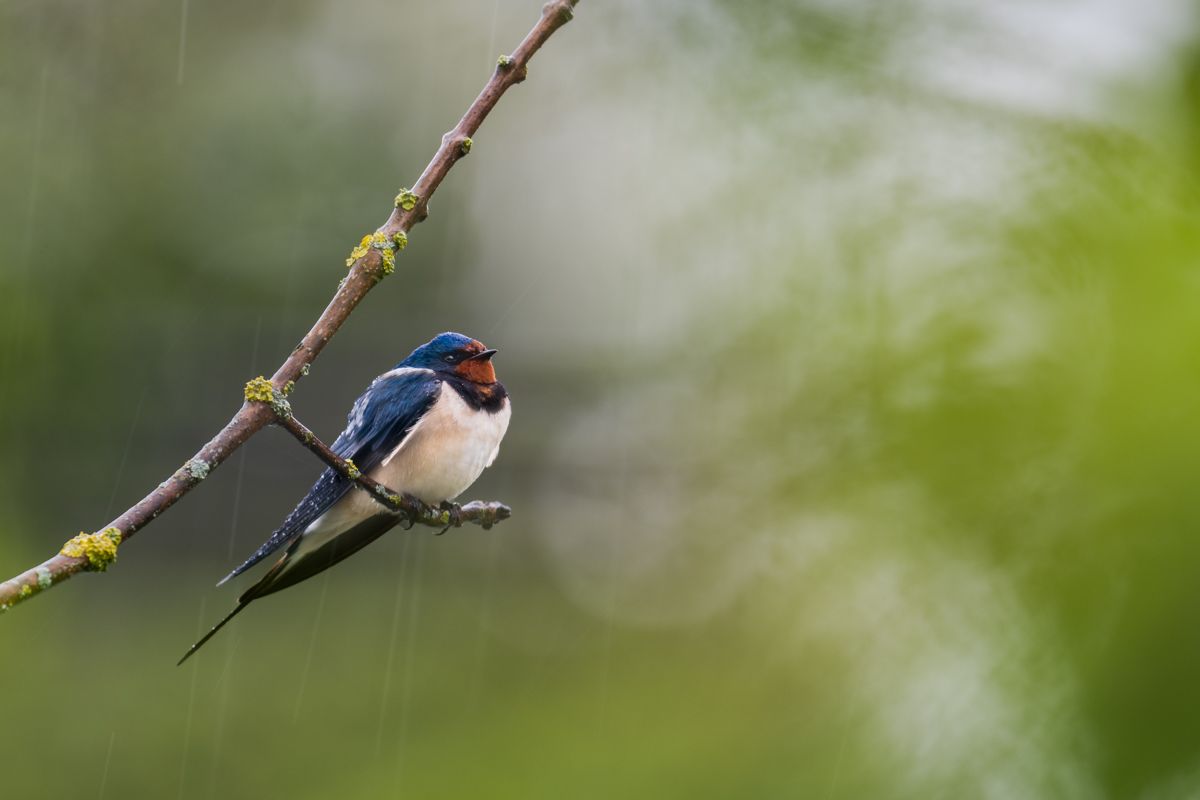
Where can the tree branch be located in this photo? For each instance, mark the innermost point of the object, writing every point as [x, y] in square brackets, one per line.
[369, 264]
[405, 506]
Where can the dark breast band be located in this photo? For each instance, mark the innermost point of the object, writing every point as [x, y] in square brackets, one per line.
[487, 397]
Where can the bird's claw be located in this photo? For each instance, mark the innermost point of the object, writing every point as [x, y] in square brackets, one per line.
[454, 514]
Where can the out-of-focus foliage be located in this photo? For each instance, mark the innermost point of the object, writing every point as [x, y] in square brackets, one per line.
[854, 355]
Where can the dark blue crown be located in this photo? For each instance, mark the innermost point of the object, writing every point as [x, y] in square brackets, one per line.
[431, 354]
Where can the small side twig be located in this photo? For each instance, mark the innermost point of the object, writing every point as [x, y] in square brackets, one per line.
[410, 508]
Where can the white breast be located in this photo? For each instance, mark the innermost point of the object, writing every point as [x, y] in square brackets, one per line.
[438, 460]
[446, 451]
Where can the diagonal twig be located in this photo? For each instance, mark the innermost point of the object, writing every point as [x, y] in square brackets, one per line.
[406, 506]
[370, 263]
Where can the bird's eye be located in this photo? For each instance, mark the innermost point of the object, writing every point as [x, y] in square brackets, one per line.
[450, 359]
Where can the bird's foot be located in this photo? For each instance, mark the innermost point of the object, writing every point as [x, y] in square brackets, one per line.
[407, 520]
[453, 513]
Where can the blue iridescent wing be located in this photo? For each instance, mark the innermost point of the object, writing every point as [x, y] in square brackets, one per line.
[376, 425]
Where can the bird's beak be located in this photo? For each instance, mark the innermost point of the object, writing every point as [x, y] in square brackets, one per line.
[486, 355]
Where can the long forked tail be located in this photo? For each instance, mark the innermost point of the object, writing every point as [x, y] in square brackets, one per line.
[213, 632]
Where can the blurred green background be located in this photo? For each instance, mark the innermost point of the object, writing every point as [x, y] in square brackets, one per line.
[854, 350]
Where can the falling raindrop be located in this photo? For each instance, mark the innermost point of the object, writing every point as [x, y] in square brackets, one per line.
[187, 724]
[107, 762]
[401, 588]
[183, 18]
[410, 652]
[312, 646]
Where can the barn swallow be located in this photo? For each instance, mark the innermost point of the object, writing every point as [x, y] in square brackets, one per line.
[427, 428]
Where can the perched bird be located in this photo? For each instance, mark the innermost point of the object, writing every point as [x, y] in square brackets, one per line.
[427, 428]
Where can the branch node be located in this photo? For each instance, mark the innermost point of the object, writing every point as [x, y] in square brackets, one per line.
[505, 63]
[563, 10]
[387, 246]
[464, 146]
[281, 406]
[198, 468]
[407, 200]
[261, 390]
[98, 549]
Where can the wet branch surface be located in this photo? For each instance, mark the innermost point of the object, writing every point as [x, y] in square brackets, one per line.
[371, 263]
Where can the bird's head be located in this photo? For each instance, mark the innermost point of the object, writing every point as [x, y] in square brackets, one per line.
[454, 354]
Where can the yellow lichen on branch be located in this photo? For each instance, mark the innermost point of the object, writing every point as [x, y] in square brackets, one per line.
[380, 241]
[259, 390]
[360, 250]
[98, 549]
[406, 200]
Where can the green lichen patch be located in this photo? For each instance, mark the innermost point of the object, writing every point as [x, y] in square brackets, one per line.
[407, 200]
[44, 578]
[389, 498]
[504, 62]
[198, 468]
[465, 146]
[288, 388]
[354, 472]
[305, 369]
[98, 549]
[281, 406]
